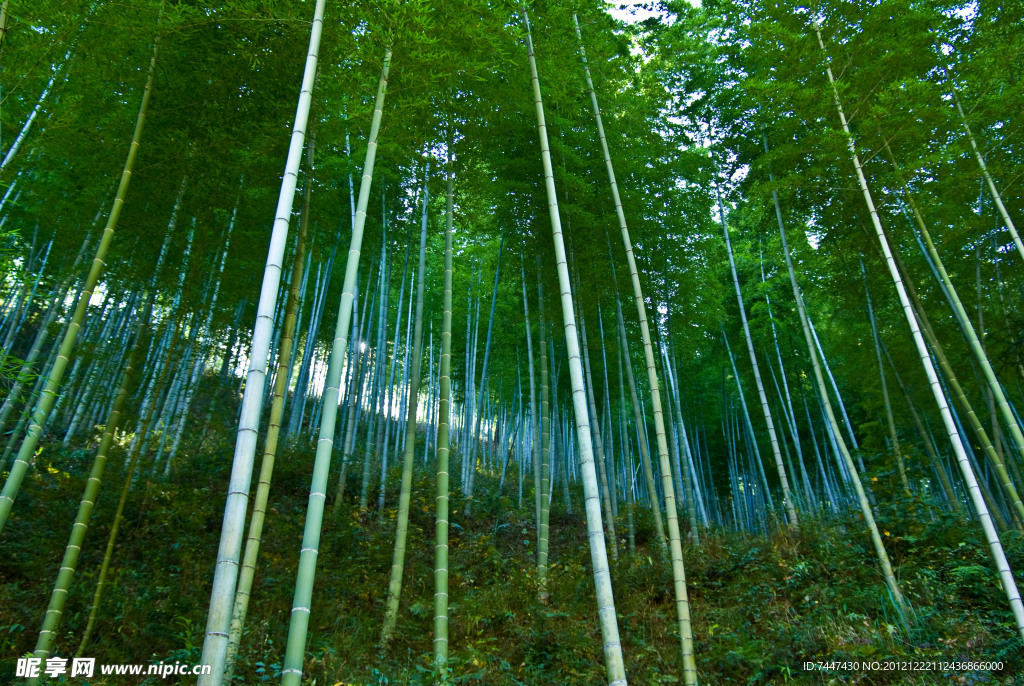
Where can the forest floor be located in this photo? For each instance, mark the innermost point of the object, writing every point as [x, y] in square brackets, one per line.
[762, 606]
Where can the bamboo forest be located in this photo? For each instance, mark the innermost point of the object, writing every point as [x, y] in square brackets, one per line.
[511, 342]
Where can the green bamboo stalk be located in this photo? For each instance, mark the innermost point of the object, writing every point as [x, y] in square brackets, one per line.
[638, 419]
[299, 623]
[24, 374]
[995, 388]
[674, 547]
[133, 460]
[247, 572]
[858, 487]
[405, 494]
[3, 20]
[225, 578]
[627, 459]
[443, 429]
[995, 546]
[534, 416]
[996, 197]
[543, 528]
[615, 669]
[890, 423]
[956, 390]
[787, 498]
[26, 411]
[69, 564]
[947, 487]
[598, 443]
[947, 370]
[483, 378]
[689, 486]
[49, 393]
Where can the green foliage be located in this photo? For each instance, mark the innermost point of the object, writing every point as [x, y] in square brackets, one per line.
[686, 97]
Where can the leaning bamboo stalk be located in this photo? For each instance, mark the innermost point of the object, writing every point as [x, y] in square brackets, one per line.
[222, 595]
[25, 373]
[69, 564]
[614, 666]
[996, 197]
[247, 571]
[299, 622]
[998, 556]
[598, 444]
[862, 499]
[890, 423]
[49, 392]
[689, 670]
[994, 387]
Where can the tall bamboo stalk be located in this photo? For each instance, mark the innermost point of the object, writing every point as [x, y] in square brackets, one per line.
[858, 487]
[405, 494]
[599, 444]
[534, 413]
[787, 498]
[994, 387]
[483, 375]
[543, 528]
[679, 576]
[890, 423]
[69, 564]
[247, 571]
[998, 556]
[614, 666]
[299, 623]
[996, 197]
[222, 594]
[443, 429]
[56, 375]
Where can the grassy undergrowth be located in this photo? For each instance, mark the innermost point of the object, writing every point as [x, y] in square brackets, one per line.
[761, 606]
